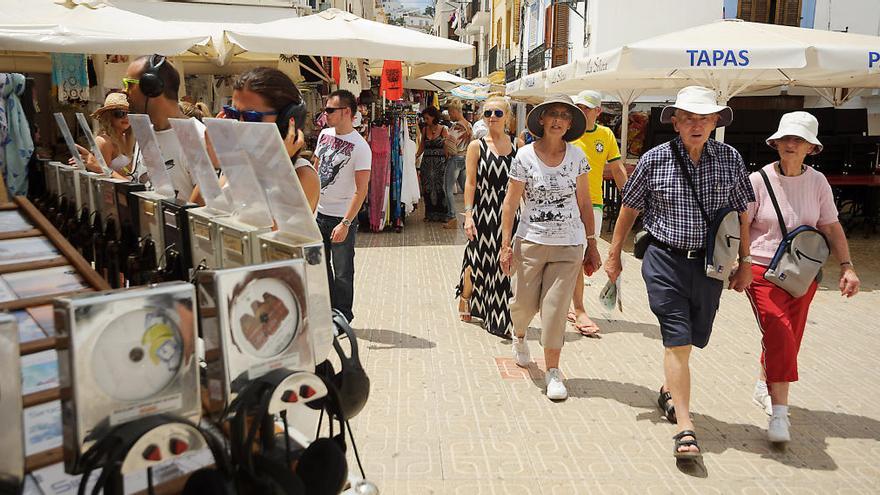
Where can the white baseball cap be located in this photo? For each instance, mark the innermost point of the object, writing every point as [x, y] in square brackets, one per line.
[801, 124]
[698, 100]
[589, 98]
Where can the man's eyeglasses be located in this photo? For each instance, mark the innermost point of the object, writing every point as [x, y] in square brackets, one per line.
[127, 82]
[231, 112]
[497, 112]
[330, 110]
[118, 114]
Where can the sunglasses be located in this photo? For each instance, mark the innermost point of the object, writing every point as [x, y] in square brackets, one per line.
[558, 115]
[233, 113]
[498, 113]
[118, 114]
[128, 82]
[330, 110]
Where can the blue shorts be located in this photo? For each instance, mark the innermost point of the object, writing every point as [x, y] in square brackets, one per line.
[682, 297]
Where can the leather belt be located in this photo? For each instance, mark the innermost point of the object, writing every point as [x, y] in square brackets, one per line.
[691, 254]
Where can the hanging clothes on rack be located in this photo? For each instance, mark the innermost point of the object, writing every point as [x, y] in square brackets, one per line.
[409, 187]
[380, 144]
[16, 145]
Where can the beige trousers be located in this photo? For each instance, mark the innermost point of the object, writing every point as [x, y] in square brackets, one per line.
[543, 280]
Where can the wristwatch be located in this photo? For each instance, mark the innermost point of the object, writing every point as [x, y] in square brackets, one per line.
[746, 259]
[591, 237]
[346, 222]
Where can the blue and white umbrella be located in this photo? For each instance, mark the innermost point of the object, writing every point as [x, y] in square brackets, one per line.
[472, 91]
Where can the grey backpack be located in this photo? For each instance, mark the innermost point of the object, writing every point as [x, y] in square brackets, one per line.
[799, 257]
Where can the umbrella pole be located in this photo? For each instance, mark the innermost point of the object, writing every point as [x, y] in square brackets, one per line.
[625, 100]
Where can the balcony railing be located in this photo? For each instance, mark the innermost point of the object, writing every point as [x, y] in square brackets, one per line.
[536, 61]
[493, 59]
[513, 70]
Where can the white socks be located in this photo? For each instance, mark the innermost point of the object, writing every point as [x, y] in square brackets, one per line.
[780, 411]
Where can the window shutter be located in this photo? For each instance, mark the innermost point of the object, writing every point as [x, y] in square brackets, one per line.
[754, 10]
[560, 35]
[548, 26]
[788, 12]
[516, 20]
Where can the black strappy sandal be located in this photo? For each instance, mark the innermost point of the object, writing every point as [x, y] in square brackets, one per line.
[679, 443]
[665, 404]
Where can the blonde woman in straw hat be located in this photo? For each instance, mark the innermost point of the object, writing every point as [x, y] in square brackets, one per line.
[804, 198]
[550, 177]
[115, 138]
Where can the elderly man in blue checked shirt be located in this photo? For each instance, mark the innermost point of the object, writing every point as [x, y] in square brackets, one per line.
[682, 297]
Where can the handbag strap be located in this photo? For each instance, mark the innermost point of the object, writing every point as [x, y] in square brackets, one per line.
[682, 164]
[775, 203]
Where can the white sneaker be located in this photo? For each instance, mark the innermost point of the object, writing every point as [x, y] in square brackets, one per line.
[555, 388]
[761, 397]
[777, 430]
[521, 352]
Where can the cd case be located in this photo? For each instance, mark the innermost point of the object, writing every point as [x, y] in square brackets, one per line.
[26, 249]
[254, 319]
[13, 221]
[129, 354]
[46, 281]
[39, 372]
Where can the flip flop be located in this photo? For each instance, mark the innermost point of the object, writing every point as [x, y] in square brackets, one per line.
[572, 318]
[587, 329]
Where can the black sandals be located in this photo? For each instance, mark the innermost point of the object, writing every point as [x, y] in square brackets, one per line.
[665, 404]
[679, 443]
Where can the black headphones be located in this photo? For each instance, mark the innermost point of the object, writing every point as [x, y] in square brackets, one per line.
[110, 452]
[295, 110]
[351, 385]
[320, 469]
[151, 82]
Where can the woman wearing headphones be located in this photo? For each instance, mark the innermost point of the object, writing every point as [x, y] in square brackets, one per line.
[268, 95]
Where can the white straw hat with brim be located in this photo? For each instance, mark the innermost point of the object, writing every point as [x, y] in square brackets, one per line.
[801, 124]
[698, 100]
[578, 121]
[113, 101]
[589, 99]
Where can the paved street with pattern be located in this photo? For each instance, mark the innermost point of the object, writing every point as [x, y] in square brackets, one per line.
[449, 413]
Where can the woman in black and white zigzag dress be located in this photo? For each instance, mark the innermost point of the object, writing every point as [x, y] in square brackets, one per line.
[484, 291]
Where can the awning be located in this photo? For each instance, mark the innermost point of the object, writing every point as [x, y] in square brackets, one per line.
[341, 34]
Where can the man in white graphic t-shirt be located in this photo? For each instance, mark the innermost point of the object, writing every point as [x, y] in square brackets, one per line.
[343, 159]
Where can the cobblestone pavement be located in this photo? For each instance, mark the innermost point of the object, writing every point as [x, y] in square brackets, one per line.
[448, 413]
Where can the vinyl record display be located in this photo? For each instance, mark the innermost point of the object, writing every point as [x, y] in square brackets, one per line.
[264, 317]
[137, 354]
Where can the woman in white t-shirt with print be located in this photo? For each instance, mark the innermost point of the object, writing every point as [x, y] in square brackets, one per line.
[550, 177]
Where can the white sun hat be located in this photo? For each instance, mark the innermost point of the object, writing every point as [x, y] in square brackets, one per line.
[698, 100]
[801, 124]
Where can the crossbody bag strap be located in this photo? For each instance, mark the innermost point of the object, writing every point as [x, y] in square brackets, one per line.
[682, 164]
[775, 203]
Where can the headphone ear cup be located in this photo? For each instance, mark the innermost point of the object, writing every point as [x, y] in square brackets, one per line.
[207, 480]
[275, 477]
[295, 110]
[150, 83]
[323, 468]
